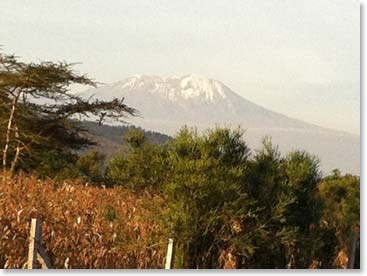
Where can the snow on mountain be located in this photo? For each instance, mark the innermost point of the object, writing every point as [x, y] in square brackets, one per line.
[166, 104]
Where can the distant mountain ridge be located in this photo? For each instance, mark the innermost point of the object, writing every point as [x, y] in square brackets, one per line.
[110, 139]
[167, 103]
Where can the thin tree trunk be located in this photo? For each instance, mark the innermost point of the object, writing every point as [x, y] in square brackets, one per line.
[352, 249]
[17, 151]
[9, 128]
[289, 258]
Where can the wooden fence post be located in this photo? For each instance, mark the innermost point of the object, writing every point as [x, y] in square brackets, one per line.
[36, 252]
[170, 255]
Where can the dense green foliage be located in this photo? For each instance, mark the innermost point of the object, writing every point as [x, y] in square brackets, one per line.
[341, 199]
[265, 209]
[143, 168]
[203, 192]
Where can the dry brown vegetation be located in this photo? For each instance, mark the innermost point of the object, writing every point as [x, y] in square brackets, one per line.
[84, 227]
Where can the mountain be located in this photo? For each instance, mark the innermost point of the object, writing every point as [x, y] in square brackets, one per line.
[167, 103]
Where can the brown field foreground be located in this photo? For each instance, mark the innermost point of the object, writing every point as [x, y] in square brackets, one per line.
[84, 227]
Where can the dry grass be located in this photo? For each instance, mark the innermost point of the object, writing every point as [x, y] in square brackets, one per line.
[84, 227]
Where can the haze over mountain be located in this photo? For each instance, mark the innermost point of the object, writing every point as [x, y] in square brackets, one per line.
[167, 103]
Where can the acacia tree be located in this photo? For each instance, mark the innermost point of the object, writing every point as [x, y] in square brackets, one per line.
[38, 110]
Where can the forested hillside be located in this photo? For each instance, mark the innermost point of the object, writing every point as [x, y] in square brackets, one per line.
[116, 133]
[109, 139]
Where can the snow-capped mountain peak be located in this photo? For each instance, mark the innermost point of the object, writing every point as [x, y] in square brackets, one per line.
[195, 87]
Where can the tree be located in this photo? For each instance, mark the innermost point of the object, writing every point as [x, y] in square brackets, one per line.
[284, 189]
[302, 179]
[341, 197]
[145, 167]
[208, 214]
[266, 183]
[38, 111]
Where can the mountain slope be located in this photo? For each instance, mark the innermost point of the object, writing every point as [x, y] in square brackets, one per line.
[109, 139]
[166, 104]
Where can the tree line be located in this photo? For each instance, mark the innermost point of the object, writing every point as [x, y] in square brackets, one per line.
[265, 209]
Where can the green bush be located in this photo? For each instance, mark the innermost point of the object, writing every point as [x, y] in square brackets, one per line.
[90, 167]
[144, 167]
[264, 208]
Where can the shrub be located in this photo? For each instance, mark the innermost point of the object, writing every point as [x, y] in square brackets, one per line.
[145, 167]
[90, 167]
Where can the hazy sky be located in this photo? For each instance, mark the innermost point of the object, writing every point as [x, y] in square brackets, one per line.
[297, 57]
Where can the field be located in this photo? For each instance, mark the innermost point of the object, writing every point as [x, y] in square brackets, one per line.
[84, 227]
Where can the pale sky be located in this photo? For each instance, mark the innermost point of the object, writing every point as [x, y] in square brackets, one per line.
[297, 57]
